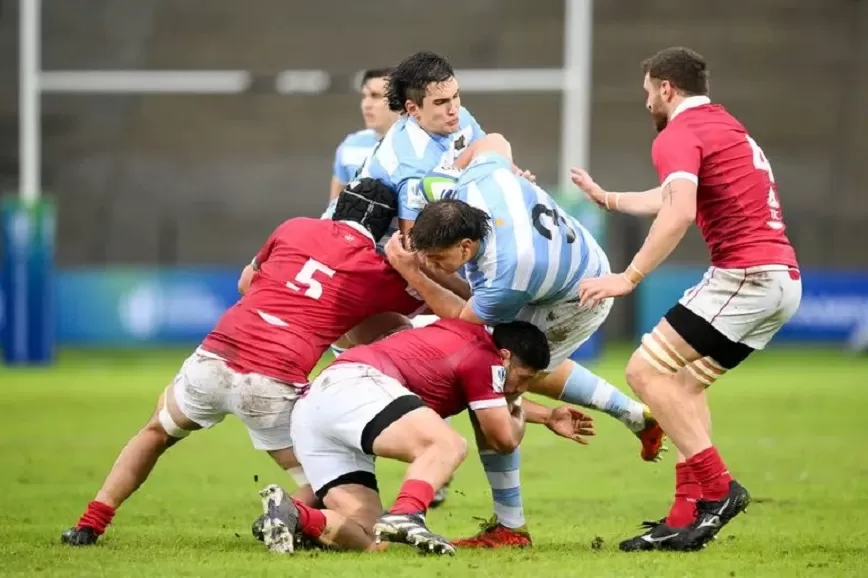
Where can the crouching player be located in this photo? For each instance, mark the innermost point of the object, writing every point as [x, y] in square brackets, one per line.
[389, 399]
[311, 282]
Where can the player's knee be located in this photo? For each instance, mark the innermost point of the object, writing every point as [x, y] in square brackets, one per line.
[167, 427]
[455, 446]
[638, 373]
[449, 443]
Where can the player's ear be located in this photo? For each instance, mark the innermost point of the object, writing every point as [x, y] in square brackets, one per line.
[466, 249]
[505, 355]
[411, 107]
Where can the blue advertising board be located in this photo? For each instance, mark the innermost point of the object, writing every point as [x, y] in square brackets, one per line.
[27, 315]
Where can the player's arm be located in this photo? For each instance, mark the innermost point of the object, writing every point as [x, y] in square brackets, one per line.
[641, 203]
[261, 257]
[481, 378]
[451, 281]
[339, 173]
[247, 276]
[493, 143]
[501, 429]
[444, 303]
[634, 203]
[335, 188]
[677, 158]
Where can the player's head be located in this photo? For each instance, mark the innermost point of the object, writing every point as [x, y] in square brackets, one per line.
[525, 352]
[672, 75]
[368, 202]
[375, 107]
[423, 86]
[449, 233]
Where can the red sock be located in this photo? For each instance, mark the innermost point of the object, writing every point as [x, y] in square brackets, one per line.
[687, 491]
[415, 496]
[711, 474]
[97, 517]
[311, 520]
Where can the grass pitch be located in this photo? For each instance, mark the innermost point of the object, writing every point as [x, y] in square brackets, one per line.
[790, 423]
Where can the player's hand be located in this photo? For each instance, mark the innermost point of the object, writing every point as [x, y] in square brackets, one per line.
[568, 422]
[526, 174]
[399, 257]
[595, 289]
[593, 191]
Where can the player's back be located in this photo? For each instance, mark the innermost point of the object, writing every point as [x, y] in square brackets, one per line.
[535, 246]
[317, 279]
[352, 152]
[738, 209]
[428, 360]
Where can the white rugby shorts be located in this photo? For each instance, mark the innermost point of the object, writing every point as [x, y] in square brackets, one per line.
[746, 306]
[207, 390]
[329, 422]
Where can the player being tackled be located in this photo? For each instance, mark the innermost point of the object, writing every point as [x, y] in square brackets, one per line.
[523, 258]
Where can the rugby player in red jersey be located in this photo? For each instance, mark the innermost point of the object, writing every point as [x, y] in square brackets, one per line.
[389, 399]
[711, 171]
[310, 283]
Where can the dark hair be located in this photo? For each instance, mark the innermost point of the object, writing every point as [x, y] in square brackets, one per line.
[411, 78]
[444, 223]
[368, 202]
[526, 341]
[684, 68]
[376, 73]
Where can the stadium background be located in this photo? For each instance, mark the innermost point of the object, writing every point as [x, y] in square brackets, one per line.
[161, 198]
[145, 181]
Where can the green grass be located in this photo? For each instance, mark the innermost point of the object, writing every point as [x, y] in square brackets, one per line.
[789, 423]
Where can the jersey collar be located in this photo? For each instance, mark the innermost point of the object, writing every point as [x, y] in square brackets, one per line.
[361, 229]
[689, 102]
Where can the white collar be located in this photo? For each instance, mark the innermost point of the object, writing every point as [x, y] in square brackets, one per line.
[360, 228]
[689, 102]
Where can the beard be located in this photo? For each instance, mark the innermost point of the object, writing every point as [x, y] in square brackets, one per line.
[659, 115]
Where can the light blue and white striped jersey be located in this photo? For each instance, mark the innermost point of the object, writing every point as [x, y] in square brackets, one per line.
[349, 158]
[407, 153]
[536, 253]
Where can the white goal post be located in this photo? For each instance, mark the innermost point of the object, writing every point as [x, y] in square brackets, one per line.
[573, 81]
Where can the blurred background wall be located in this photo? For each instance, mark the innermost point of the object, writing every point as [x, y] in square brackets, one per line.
[201, 180]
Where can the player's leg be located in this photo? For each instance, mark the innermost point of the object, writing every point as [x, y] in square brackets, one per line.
[345, 523]
[168, 424]
[507, 528]
[352, 413]
[264, 406]
[442, 492]
[688, 492]
[712, 330]
[568, 326]
[407, 431]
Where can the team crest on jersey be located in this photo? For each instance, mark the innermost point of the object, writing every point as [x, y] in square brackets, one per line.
[498, 378]
[460, 143]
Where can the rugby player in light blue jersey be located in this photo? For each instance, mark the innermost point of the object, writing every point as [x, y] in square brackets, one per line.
[355, 148]
[523, 257]
[433, 130]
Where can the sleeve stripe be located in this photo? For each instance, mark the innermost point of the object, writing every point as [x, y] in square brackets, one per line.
[487, 403]
[680, 175]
